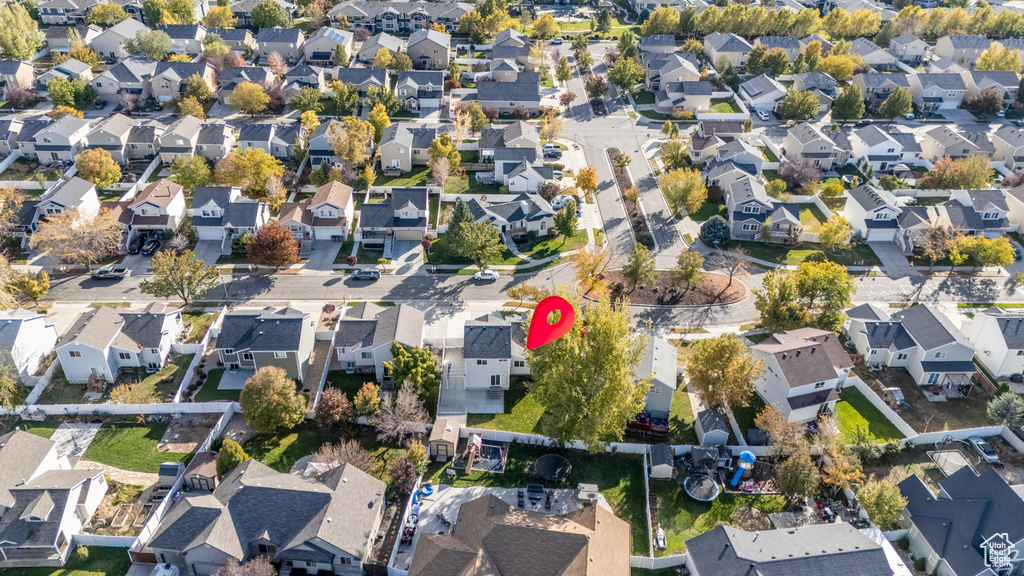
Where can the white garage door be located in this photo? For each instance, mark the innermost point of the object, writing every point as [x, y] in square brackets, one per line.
[209, 233]
[205, 569]
[881, 235]
[414, 235]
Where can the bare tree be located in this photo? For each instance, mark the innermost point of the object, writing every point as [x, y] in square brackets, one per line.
[73, 239]
[277, 64]
[20, 96]
[258, 566]
[178, 243]
[127, 99]
[462, 124]
[399, 418]
[439, 171]
[345, 452]
[361, 34]
[734, 262]
[275, 89]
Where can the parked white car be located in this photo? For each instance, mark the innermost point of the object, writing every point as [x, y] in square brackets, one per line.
[559, 202]
[489, 275]
[763, 115]
[984, 449]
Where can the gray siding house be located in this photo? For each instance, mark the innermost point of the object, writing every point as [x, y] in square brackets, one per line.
[253, 339]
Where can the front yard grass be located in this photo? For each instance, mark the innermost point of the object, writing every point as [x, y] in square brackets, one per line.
[544, 246]
[924, 416]
[369, 255]
[84, 561]
[643, 97]
[210, 392]
[860, 255]
[522, 412]
[811, 217]
[708, 210]
[854, 410]
[132, 446]
[201, 322]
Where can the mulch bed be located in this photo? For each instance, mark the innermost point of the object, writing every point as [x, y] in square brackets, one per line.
[715, 290]
[636, 217]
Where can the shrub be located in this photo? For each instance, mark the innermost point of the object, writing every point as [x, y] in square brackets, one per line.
[328, 308]
[904, 543]
[919, 564]
[351, 260]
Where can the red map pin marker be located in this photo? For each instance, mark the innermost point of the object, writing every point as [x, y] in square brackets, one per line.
[541, 332]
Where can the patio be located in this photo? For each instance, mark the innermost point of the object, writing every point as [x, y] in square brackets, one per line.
[820, 511]
[234, 379]
[456, 399]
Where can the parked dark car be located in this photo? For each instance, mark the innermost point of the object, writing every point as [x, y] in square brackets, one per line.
[599, 107]
[151, 246]
[135, 245]
[109, 273]
[366, 274]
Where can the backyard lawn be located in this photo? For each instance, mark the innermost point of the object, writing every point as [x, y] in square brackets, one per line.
[469, 185]
[348, 383]
[84, 561]
[211, 393]
[417, 177]
[60, 391]
[707, 210]
[282, 449]
[854, 410]
[682, 517]
[860, 255]
[164, 383]
[811, 217]
[723, 106]
[522, 412]
[681, 422]
[200, 324]
[924, 416]
[132, 446]
[44, 428]
[745, 414]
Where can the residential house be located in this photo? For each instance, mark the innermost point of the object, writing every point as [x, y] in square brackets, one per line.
[693, 96]
[1016, 44]
[739, 152]
[945, 141]
[920, 339]
[65, 11]
[158, 206]
[517, 218]
[61, 140]
[518, 134]
[180, 138]
[709, 136]
[667, 68]
[233, 76]
[320, 150]
[944, 66]
[16, 72]
[323, 523]
[511, 37]
[494, 351]
[27, 337]
[215, 140]
[908, 49]
[242, 10]
[223, 214]
[725, 174]
[519, 169]
[303, 76]
[504, 70]
[872, 53]
[321, 47]
[659, 361]
[877, 147]
[367, 331]
[493, 537]
[10, 128]
[401, 216]
[170, 78]
[936, 92]
[911, 147]
[277, 139]
[285, 41]
[72, 194]
[998, 336]
[402, 147]
[251, 339]
[25, 140]
[505, 96]
[373, 44]
[187, 38]
[69, 70]
[143, 140]
[805, 140]
[762, 93]
[750, 208]
[104, 341]
[823, 86]
[876, 86]
[873, 213]
[788, 44]
[112, 135]
[108, 45]
[131, 75]
[362, 79]
[658, 43]
[962, 48]
[815, 549]
[420, 90]
[57, 36]
[134, 9]
[43, 502]
[240, 40]
[804, 370]
[1009, 146]
[1005, 83]
[729, 46]
[323, 217]
[953, 529]
[429, 49]
[401, 17]
[518, 57]
[806, 41]
[981, 212]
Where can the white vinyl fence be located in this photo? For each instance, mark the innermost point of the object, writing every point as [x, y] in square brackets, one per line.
[174, 408]
[657, 563]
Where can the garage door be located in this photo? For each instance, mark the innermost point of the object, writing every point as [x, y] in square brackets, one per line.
[883, 235]
[209, 233]
[205, 569]
[414, 235]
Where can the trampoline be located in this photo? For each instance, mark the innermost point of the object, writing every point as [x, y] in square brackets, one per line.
[552, 468]
[701, 487]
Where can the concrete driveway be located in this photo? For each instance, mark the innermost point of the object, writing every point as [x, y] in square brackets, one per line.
[322, 255]
[959, 116]
[406, 254]
[208, 251]
[137, 263]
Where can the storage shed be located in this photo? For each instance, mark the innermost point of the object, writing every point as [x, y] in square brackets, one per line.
[444, 438]
[663, 462]
[201, 473]
[711, 428]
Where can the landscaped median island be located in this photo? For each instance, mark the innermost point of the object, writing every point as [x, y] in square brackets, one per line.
[637, 220]
[716, 289]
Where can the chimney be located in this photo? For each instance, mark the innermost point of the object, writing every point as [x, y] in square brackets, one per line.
[524, 206]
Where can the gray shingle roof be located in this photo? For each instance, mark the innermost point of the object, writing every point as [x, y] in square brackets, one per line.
[969, 41]
[712, 420]
[807, 355]
[21, 454]
[870, 197]
[483, 339]
[432, 35]
[264, 330]
[942, 80]
[879, 80]
[929, 328]
[520, 91]
[402, 324]
[727, 42]
[273, 35]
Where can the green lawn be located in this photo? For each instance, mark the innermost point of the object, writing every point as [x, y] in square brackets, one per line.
[930, 201]
[544, 247]
[468, 185]
[643, 97]
[132, 446]
[84, 561]
[655, 115]
[745, 414]
[681, 421]
[210, 392]
[44, 428]
[682, 517]
[164, 383]
[348, 383]
[861, 255]
[282, 449]
[835, 204]
[437, 256]
[768, 154]
[758, 338]
[618, 476]
[723, 106]
[60, 391]
[854, 410]
[110, 196]
[522, 412]
[417, 177]
[708, 210]
[811, 217]
[200, 324]
[471, 156]
[369, 255]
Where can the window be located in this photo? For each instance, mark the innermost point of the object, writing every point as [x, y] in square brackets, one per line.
[901, 356]
[933, 378]
[751, 210]
[522, 363]
[247, 356]
[109, 139]
[933, 559]
[124, 355]
[1020, 352]
[750, 227]
[229, 350]
[135, 146]
[481, 362]
[99, 85]
[367, 355]
[74, 354]
[495, 379]
[267, 548]
[280, 354]
[655, 389]
[940, 355]
[819, 385]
